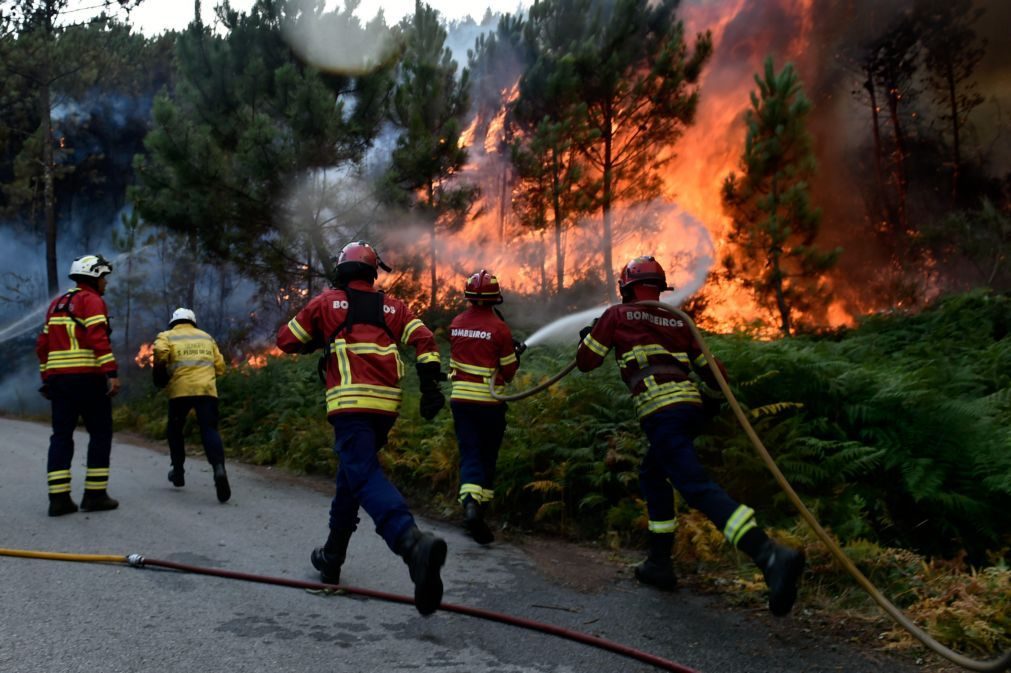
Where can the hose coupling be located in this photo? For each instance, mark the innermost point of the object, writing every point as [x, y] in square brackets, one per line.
[135, 560]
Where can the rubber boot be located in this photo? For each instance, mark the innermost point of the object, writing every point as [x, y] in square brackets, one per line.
[60, 504]
[658, 570]
[329, 558]
[424, 554]
[474, 523]
[782, 567]
[221, 483]
[97, 501]
[176, 476]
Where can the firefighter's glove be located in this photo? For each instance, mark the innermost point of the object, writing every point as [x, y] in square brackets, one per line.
[44, 391]
[586, 330]
[519, 347]
[160, 375]
[712, 400]
[432, 399]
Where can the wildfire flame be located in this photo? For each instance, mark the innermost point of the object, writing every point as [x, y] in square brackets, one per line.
[145, 356]
[705, 154]
[259, 360]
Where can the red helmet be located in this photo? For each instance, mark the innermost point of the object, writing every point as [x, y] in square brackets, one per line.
[359, 260]
[642, 270]
[483, 287]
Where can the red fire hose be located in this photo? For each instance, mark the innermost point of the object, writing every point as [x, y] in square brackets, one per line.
[138, 561]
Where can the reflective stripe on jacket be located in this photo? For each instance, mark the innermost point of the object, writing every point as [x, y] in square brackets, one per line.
[364, 369]
[655, 352]
[192, 358]
[480, 342]
[75, 338]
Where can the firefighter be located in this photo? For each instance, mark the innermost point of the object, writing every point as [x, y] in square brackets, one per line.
[656, 352]
[481, 344]
[186, 362]
[80, 378]
[359, 330]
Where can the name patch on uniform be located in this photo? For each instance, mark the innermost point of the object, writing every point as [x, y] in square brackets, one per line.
[470, 333]
[655, 319]
[343, 303]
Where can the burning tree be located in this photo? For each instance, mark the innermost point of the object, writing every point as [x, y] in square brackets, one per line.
[773, 224]
[630, 95]
[429, 105]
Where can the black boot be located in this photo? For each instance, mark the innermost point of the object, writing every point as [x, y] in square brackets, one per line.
[97, 501]
[60, 504]
[329, 558]
[657, 570]
[175, 475]
[424, 554]
[782, 567]
[473, 522]
[221, 483]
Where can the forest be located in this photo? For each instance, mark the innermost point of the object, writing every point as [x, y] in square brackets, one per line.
[827, 183]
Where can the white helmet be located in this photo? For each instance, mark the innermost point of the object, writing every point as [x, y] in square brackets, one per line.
[90, 266]
[183, 314]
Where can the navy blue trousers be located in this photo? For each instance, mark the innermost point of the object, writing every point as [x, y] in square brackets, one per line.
[479, 432]
[361, 481]
[73, 397]
[206, 407]
[671, 461]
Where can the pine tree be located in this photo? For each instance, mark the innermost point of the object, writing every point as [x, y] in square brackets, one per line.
[952, 53]
[45, 54]
[634, 79]
[429, 105]
[773, 224]
[249, 120]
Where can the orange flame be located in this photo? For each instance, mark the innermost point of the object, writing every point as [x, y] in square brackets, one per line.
[705, 154]
[145, 356]
[259, 360]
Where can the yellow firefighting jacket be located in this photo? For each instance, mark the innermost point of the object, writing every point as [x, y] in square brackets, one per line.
[192, 358]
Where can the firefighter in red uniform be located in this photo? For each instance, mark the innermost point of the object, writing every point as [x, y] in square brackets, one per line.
[480, 345]
[359, 330]
[79, 377]
[655, 352]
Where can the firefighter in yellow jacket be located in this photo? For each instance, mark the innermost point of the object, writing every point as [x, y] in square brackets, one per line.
[186, 362]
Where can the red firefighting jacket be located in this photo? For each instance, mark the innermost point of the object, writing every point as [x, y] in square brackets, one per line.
[75, 336]
[364, 369]
[480, 342]
[655, 351]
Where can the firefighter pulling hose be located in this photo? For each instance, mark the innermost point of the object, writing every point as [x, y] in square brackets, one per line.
[640, 299]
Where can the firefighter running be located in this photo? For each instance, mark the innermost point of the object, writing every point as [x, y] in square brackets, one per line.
[186, 362]
[480, 344]
[80, 378]
[359, 330]
[656, 352]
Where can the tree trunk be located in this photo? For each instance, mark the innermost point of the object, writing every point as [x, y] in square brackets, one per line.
[876, 126]
[431, 248]
[777, 272]
[48, 167]
[900, 154]
[606, 208]
[556, 205]
[956, 149]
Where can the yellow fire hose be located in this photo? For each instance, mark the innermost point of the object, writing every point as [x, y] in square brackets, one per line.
[1002, 663]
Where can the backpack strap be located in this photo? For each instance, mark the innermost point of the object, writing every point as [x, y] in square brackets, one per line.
[363, 308]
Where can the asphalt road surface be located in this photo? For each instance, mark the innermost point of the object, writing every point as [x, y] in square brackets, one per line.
[89, 618]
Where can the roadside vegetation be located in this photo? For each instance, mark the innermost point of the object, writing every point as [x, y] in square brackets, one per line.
[897, 434]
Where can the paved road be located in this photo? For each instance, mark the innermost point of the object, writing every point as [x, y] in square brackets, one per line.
[75, 617]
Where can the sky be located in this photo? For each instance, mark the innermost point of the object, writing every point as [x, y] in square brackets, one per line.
[156, 16]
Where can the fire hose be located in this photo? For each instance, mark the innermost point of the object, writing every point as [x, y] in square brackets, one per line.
[1002, 663]
[138, 561]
